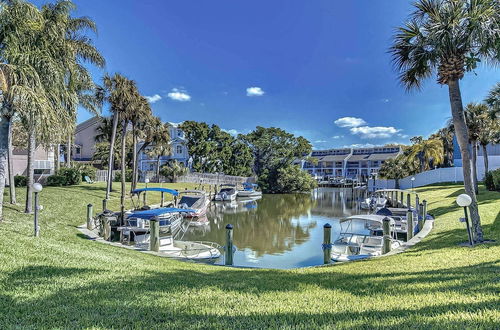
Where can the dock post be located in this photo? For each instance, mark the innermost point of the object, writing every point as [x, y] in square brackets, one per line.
[154, 235]
[327, 243]
[228, 253]
[402, 199]
[421, 217]
[104, 205]
[162, 199]
[386, 227]
[424, 210]
[409, 225]
[90, 215]
[417, 206]
[408, 201]
[106, 231]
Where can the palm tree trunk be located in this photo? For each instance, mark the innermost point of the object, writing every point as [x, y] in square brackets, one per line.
[124, 166]
[68, 151]
[474, 166]
[158, 169]
[57, 156]
[10, 164]
[485, 158]
[31, 171]
[134, 158]
[4, 147]
[110, 156]
[462, 135]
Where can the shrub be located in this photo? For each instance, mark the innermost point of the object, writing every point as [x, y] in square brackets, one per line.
[128, 176]
[56, 180]
[72, 175]
[492, 180]
[87, 170]
[20, 181]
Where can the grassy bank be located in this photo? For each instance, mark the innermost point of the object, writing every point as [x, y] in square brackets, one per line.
[64, 280]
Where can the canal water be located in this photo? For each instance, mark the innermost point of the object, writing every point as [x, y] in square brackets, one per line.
[277, 231]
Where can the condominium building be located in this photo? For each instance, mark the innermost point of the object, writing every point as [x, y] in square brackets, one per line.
[349, 162]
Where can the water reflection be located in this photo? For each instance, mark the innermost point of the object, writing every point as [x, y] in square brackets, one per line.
[276, 231]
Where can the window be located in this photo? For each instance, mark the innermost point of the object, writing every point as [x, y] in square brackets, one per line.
[179, 149]
[78, 150]
[179, 133]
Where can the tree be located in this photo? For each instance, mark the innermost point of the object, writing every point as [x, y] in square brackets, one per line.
[173, 170]
[397, 168]
[198, 143]
[493, 100]
[139, 119]
[241, 160]
[449, 37]
[475, 116]
[446, 135]
[160, 147]
[150, 128]
[428, 152]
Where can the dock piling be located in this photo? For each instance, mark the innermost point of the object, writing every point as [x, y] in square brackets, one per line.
[408, 201]
[154, 235]
[327, 243]
[90, 216]
[424, 209]
[228, 250]
[421, 217]
[104, 205]
[409, 225]
[386, 227]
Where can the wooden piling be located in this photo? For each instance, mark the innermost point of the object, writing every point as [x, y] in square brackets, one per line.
[409, 225]
[228, 250]
[327, 243]
[386, 227]
[162, 201]
[154, 235]
[421, 217]
[402, 199]
[90, 216]
[104, 205]
[417, 206]
[408, 201]
[424, 209]
[106, 229]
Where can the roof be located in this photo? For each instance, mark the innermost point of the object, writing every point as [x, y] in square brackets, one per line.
[333, 158]
[88, 123]
[382, 156]
[150, 214]
[356, 158]
[170, 191]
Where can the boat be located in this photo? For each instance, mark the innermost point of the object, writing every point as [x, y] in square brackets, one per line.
[358, 238]
[169, 220]
[196, 200]
[145, 206]
[226, 193]
[249, 190]
[373, 203]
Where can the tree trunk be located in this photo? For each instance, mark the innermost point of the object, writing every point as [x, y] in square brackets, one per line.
[57, 157]
[134, 158]
[485, 158]
[461, 133]
[10, 164]
[474, 166]
[110, 157]
[124, 167]
[4, 147]
[30, 171]
[68, 151]
[158, 169]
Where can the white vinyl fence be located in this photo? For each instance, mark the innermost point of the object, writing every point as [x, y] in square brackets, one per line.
[102, 175]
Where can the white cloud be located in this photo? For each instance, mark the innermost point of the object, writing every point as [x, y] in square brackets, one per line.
[255, 91]
[385, 100]
[404, 136]
[349, 122]
[377, 132]
[153, 99]
[231, 131]
[336, 137]
[359, 145]
[179, 95]
[320, 141]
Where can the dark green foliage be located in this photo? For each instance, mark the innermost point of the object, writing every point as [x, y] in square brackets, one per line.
[128, 176]
[87, 170]
[72, 175]
[492, 180]
[56, 180]
[20, 181]
[173, 170]
[292, 179]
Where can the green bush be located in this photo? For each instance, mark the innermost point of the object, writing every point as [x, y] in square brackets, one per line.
[492, 180]
[56, 180]
[128, 176]
[20, 181]
[87, 170]
[72, 175]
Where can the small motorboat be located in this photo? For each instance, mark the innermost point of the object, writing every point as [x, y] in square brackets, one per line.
[169, 222]
[373, 203]
[194, 199]
[227, 193]
[358, 238]
[249, 190]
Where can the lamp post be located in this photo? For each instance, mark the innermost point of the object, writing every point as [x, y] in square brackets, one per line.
[37, 188]
[464, 201]
[412, 182]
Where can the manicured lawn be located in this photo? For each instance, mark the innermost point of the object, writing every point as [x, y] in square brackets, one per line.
[63, 280]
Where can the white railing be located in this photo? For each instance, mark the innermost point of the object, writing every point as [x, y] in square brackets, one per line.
[102, 175]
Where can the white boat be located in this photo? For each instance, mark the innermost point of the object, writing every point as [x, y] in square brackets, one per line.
[373, 203]
[185, 249]
[227, 193]
[357, 238]
[249, 190]
[194, 199]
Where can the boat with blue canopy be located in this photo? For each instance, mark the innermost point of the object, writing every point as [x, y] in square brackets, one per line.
[163, 191]
[249, 190]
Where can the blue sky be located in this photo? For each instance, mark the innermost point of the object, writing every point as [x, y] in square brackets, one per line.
[299, 65]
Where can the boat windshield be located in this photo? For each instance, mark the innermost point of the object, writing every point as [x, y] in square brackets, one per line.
[189, 200]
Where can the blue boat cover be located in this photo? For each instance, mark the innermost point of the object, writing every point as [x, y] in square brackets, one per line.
[249, 186]
[170, 191]
[150, 214]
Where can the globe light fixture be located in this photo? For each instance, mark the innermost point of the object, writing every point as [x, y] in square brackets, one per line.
[464, 200]
[37, 187]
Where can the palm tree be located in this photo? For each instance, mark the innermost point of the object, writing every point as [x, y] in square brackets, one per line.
[139, 119]
[160, 146]
[173, 170]
[428, 152]
[446, 135]
[493, 100]
[475, 115]
[449, 37]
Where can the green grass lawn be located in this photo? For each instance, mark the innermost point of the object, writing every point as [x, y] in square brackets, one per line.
[63, 280]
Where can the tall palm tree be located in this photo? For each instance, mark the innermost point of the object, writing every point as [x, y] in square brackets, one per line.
[449, 37]
[493, 100]
[160, 147]
[428, 152]
[138, 120]
[475, 115]
[446, 135]
[150, 128]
